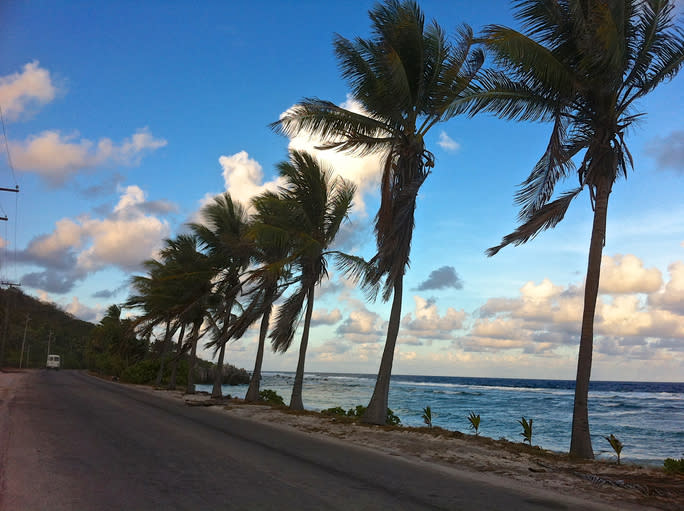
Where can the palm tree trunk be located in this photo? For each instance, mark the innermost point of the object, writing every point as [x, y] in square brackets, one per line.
[376, 413]
[254, 383]
[216, 391]
[190, 388]
[296, 402]
[165, 346]
[176, 359]
[580, 443]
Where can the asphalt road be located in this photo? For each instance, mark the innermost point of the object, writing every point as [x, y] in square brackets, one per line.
[74, 442]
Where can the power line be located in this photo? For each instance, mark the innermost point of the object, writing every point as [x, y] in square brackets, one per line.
[9, 156]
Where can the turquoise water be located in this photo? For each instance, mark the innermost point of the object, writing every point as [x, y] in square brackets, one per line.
[648, 418]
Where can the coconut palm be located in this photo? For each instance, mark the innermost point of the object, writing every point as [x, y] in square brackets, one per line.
[407, 77]
[222, 234]
[193, 271]
[581, 64]
[269, 277]
[317, 205]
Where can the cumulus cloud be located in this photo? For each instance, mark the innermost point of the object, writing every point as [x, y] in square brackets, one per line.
[364, 171]
[243, 177]
[635, 314]
[323, 317]
[56, 157]
[425, 322]
[672, 296]
[626, 274]
[82, 311]
[668, 151]
[30, 87]
[441, 278]
[447, 143]
[81, 246]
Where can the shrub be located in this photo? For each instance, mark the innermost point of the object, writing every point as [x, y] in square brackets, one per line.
[141, 372]
[338, 410]
[427, 416]
[271, 397]
[392, 420]
[474, 422]
[673, 466]
[616, 445]
[527, 430]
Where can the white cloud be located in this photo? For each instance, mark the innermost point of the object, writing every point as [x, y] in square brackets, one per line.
[672, 296]
[84, 312]
[364, 172]
[243, 177]
[323, 317]
[426, 322]
[19, 91]
[56, 157]
[447, 143]
[80, 246]
[626, 274]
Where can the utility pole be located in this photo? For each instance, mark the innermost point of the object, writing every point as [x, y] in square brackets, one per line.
[28, 356]
[49, 339]
[23, 342]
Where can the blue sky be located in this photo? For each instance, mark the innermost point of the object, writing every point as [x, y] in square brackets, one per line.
[123, 118]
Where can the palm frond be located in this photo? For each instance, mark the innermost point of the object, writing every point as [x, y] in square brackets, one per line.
[287, 320]
[546, 217]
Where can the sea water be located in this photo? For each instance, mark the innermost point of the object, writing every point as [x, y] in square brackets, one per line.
[647, 417]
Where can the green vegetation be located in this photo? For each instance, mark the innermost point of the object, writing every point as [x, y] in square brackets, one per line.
[616, 445]
[474, 422]
[527, 430]
[271, 397]
[358, 412]
[674, 466]
[427, 416]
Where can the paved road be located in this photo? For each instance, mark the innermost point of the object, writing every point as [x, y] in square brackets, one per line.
[78, 443]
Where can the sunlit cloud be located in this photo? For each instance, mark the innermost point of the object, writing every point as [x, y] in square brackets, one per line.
[31, 87]
[56, 157]
[447, 143]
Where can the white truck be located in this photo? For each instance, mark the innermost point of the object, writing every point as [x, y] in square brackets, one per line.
[53, 362]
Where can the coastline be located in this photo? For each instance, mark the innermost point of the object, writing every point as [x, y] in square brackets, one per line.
[499, 462]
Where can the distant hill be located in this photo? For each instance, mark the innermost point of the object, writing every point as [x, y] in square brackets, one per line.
[69, 334]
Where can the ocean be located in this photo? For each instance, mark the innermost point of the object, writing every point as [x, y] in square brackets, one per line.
[647, 417]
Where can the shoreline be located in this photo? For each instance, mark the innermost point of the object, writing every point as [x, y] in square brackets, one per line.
[499, 462]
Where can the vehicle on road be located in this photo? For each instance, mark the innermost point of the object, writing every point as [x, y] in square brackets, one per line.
[53, 362]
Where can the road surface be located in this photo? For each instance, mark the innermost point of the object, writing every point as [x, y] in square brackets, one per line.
[74, 442]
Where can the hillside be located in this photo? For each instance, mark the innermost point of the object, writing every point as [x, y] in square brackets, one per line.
[68, 339]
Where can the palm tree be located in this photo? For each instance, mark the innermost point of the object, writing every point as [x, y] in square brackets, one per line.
[581, 64]
[269, 277]
[223, 237]
[408, 77]
[193, 271]
[317, 206]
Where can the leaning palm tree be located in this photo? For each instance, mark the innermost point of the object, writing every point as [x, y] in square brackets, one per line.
[408, 78]
[317, 206]
[581, 64]
[269, 277]
[223, 236]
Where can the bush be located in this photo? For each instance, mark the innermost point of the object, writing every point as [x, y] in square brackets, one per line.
[142, 372]
[338, 410]
[271, 397]
[673, 466]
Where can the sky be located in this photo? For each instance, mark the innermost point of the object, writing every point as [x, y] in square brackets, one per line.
[123, 118]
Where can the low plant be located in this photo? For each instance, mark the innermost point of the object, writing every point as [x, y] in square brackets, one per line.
[673, 466]
[271, 397]
[474, 422]
[527, 430]
[427, 416]
[337, 410]
[392, 419]
[616, 445]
